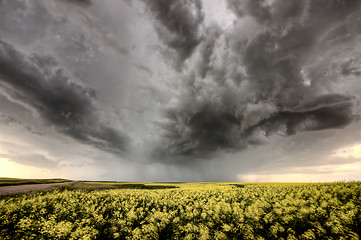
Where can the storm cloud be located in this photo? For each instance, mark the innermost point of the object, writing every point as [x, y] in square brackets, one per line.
[279, 77]
[181, 90]
[39, 83]
[178, 24]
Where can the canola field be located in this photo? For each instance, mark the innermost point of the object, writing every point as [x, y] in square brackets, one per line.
[185, 211]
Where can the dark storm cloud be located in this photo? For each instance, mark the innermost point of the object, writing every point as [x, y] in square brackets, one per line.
[278, 80]
[178, 23]
[40, 83]
[324, 112]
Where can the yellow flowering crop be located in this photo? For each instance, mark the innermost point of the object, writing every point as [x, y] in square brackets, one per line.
[187, 211]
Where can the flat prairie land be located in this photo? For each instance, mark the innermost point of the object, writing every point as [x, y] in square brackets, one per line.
[113, 210]
[19, 181]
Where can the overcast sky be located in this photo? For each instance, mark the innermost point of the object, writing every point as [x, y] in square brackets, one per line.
[181, 90]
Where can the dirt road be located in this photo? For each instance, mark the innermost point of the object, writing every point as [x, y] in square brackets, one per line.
[26, 188]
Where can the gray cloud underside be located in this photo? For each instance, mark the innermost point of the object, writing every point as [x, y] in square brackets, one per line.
[238, 86]
[8, 120]
[35, 160]
[178, 23]
[39, 82]
[278, 78]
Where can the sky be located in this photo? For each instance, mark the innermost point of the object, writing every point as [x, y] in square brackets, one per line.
[181, 90]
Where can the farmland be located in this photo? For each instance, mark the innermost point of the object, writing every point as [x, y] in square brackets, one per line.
[93, 210]
[20, 181]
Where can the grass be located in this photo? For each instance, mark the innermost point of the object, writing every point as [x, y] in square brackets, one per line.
[4, 181]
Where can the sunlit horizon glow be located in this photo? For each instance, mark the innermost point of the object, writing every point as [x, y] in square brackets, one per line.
[348, 152]
[325, 173]
[15, 170]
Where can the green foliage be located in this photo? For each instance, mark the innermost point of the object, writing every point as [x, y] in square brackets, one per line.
[19, 181]
[190, 211]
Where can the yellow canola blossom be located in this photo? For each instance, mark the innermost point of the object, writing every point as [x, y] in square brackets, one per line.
[187, 211]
